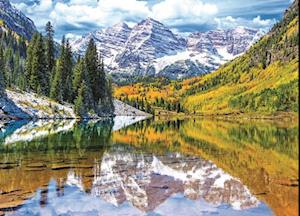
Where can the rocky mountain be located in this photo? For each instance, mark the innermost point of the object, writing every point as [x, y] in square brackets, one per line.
[152, 49]
[147, 181]
[15, 20]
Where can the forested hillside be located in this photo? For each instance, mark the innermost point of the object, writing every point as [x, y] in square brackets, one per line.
[33, 66]
[263, 80]
[12, 57]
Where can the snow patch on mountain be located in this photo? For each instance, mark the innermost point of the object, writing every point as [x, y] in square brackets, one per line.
[151, 49]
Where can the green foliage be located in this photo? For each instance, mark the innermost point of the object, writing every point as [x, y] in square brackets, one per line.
[283, 98]
[39, 77]
[50, 50]
[14, 53]
[92, 91]
[56, 91]
[2, 81]
[84, 84]
[78, 72]
[79, 103]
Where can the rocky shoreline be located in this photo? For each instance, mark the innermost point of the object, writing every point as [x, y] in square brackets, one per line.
[23, 105]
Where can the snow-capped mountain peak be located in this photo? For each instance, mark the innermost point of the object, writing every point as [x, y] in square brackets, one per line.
[151, 49]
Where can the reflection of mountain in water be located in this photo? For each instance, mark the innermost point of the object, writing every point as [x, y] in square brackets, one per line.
[146, 181]
[99, 169]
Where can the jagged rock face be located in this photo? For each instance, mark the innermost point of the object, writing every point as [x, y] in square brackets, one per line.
[109, 41]
[146, 181]
[233, 41]
[152, 49]
[15, 20]
[147, 41]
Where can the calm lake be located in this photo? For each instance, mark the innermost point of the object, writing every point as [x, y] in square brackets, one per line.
[135, 166]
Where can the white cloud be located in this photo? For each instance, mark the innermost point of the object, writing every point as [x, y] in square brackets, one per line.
[183, 10]
[257, 22]
[82, 16]
[106, 12]
[261, 22]
[72, 37]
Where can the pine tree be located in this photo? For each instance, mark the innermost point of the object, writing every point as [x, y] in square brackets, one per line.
[78, 72]
[67, 73]
[61, 85]
[56, 91]
[50, 49]
[2, 81]
[92, 64]
[39, 79]
[29, 59]
[8, 66]
[96, 81]
[79, 103]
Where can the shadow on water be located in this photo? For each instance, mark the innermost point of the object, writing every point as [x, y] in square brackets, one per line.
[133, 166]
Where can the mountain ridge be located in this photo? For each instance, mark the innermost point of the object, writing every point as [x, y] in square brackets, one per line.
[15, 20]
[151, 49]
[262, 81]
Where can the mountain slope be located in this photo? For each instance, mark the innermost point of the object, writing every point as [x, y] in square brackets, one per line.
[152, 49]
[263, 80]
[13, 19]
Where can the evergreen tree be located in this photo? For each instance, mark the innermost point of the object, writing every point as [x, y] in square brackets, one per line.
[61, 84]
[56, 91]
[67, 72]
[29, 60]
[50, 49]
[39, 79]
[92, 66]
[96, 81]
[9, 66]
[2, 81]
[78, 72]
[79, 103]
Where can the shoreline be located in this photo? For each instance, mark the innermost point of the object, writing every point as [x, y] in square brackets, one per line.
[245, 116]
[286, 116]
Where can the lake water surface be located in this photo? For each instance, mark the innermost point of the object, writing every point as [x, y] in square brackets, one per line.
[135, 166]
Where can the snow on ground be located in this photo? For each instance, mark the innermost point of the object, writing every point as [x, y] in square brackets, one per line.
[24, 105]
[29, 105]
[122, 109]
[165, 61]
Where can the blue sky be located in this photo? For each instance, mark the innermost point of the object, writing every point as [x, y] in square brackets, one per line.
[78, 17]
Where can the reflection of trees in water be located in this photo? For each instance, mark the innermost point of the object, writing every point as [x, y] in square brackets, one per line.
[263, 154]
[83, 136]
[160, 126]
[196, 132]
[268, 136]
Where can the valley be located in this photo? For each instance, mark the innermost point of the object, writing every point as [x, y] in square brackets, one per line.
[262, 81]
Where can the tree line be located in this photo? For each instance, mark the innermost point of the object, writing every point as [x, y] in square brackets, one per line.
[63, 77]
[12, 58]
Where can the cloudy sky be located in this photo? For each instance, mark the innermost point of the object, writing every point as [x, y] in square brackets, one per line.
[78, 17]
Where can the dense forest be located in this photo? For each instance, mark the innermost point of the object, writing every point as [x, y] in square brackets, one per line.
[12, 59]
[35, 66]
[263, 80]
